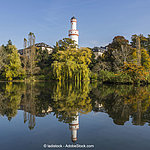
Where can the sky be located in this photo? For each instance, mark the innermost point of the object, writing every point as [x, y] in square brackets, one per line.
[99, 21]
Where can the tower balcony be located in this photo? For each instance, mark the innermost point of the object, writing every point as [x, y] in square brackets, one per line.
[73, 32]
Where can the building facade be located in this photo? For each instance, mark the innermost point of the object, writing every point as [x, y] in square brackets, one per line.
[38, 46]
[98, 51]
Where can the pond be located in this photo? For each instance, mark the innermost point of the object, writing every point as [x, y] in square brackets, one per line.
[70, 116]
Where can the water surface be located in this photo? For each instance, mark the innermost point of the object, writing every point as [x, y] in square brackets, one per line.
[106, 117]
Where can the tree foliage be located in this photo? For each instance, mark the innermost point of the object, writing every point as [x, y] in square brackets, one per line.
[118, 53]
[68, 99]
[71, 63]
[43, 60]
[124, 62]
[13, 68]
[2, 57]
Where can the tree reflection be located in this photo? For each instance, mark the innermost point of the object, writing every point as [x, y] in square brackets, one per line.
[10, 98]
[40, 99]
[123, 102]
[68, 99]
[35, 102]
[27, 97]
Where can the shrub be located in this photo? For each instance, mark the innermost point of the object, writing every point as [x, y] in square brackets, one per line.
[105, 76]
[122, 78]
[137, 73]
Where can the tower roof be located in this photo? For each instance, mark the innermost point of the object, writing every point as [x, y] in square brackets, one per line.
[74, 140]
[73, 18]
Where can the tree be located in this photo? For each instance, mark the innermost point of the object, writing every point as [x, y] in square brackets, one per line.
[64, 44]
[2, 57]
[31, 38]
[140, 54]
[137, 73]
[25, 54]
[29, 56]
[144, 41]
[13, 68]
[145, 59]
[7, 49]
[71, 63]
[44, 60]
[118, 53]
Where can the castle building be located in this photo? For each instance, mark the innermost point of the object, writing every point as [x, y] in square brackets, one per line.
[98, 51]
[44, 46]
[38, 46]
[74, 126]
[74, 33]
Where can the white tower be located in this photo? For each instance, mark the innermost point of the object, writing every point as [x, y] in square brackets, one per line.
[74, 33]
[74, 126]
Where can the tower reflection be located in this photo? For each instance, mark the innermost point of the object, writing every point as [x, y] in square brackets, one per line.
[74, 126]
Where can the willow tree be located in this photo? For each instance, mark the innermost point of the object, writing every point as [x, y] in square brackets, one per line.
[71, 63]
[69, 99]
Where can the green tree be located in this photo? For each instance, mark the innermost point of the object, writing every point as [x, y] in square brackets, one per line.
[140, 54]
[64, 44]
[13, 68]
[118, 53]
[145, 59]
[144, 41]
[71, 63]
[2, 57]
[137, 73]
[43, 60]
[8, 50]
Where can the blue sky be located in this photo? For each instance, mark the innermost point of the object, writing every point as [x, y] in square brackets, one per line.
[98, 20]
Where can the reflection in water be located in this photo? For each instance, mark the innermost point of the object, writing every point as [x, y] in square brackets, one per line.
[123, 102]
[70, 100]
[67, 101]
[10, 98]
[74, 126]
